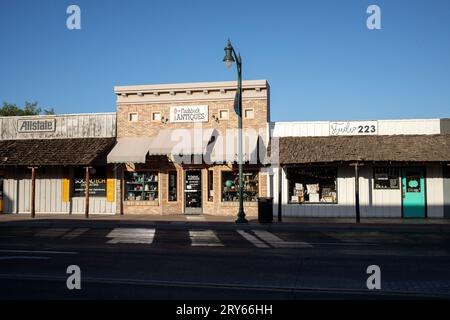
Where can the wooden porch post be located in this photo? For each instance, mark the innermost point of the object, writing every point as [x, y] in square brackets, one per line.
[86, 196]
[280, 192]
[357, 207]
[33, 192]
[122, 189]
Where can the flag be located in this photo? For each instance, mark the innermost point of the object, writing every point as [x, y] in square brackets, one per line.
[236, 104]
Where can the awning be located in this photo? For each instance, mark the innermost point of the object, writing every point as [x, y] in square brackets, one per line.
[128, 150]
[226, 148]
[183, 142]
[55, 152]
[395, 148]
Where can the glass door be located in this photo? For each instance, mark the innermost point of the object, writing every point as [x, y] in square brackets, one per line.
[193, 192]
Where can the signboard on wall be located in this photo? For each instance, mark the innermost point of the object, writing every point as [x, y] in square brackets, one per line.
[189, 113]
[36, 125]
[97, 182]
[353, 128]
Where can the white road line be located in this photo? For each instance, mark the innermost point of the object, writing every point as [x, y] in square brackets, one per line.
[75, 233]
[131, 235]
[277, 242]
[37, 251]
[204, 238]
[52, 232]
[23, 258]
[251, 238]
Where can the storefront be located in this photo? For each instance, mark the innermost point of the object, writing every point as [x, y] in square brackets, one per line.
[173, 149]
[46, 161]
[398, 170]
[177, 148]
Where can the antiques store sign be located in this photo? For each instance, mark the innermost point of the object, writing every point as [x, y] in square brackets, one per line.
[189, 114]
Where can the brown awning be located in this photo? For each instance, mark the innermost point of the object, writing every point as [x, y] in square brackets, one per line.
[396, 148]
[40, 152]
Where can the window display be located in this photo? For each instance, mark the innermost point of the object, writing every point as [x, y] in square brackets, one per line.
[97, 182]
[312, 185]
[173, 190]
[141, 186]
[230, 186]
[386, 178]
[210, 185]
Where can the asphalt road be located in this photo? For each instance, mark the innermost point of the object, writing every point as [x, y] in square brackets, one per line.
[216, 262]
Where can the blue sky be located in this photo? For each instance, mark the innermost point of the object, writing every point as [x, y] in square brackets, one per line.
[319, 57]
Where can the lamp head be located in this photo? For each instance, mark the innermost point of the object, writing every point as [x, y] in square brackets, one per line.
[228, 59]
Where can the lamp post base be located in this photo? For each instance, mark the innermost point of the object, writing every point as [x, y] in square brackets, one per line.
[241, 218]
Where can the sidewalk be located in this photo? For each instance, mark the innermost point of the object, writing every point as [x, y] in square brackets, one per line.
[201, 221]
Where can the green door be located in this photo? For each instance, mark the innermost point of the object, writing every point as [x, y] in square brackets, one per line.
[413, 193]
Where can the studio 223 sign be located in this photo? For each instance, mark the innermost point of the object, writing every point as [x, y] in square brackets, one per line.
[353, 128]
[189, 113]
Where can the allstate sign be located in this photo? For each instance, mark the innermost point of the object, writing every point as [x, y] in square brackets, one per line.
[189, 114]
[36, 125]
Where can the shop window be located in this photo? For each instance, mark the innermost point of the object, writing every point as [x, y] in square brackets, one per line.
[173, 186]
[133, 117]
[223, 114]
[141, 186]
[386, 178]
[156, 116]
[230, 186]
[97, 182]
[249, 113]
[210, 185]
[312, 185]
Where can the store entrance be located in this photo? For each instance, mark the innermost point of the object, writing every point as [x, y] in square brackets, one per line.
[413, 193]
[193, 192]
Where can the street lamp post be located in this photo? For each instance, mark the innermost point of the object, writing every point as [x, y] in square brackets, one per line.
[230, 57]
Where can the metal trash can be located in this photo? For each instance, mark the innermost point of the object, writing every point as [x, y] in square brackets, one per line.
[265, 210]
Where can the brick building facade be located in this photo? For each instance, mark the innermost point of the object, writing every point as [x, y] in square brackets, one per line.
[143, 112]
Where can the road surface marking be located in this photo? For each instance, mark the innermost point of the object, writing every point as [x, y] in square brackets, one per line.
[131, 235]
[75, 233]
[52, 232]
[204, 238]
[277, 242]
[23, 258]
[251, 238]
[38, 251]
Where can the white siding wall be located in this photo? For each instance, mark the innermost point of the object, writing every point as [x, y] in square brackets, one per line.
[434, 191]
[375, 202]
[93, 125]
[385, 127]
[344, 208]
[420, 126]
[48, 194]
